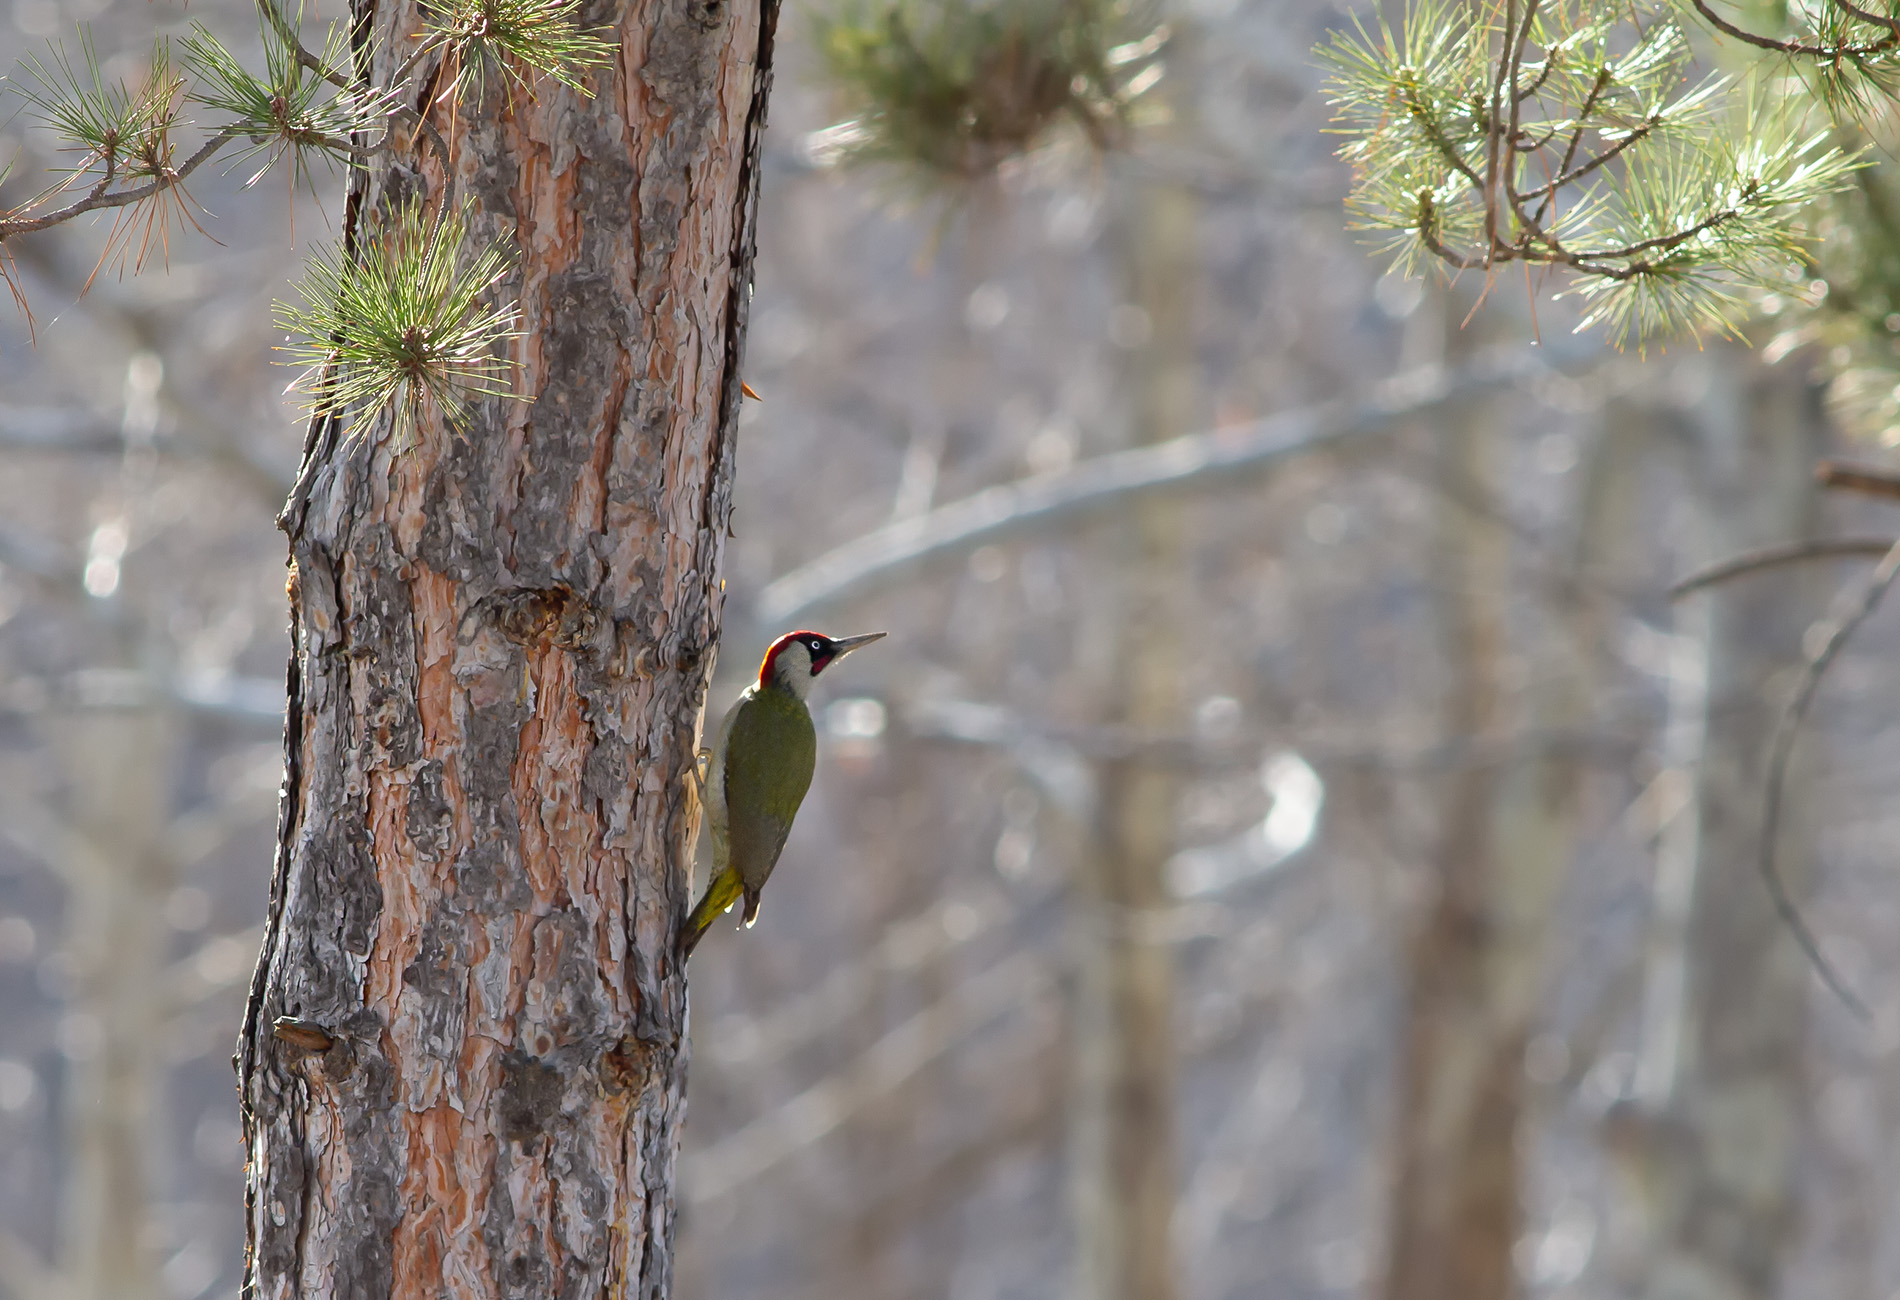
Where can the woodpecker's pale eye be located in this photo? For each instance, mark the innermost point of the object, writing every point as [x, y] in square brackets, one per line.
[817, 646]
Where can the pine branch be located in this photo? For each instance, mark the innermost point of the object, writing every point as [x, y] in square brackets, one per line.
[542, 36]
[1447, 115]
[1800, 49]
[949, 90]
[407, 323]
[1774, 557]
[97, 201]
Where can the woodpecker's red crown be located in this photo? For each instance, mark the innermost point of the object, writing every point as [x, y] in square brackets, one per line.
[797, 657]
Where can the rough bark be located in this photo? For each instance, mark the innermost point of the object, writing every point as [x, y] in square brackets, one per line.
[1709, 1140]
[463, 1061]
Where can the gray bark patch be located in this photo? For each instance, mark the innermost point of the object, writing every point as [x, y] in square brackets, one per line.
[366, 1228]
[530, 1097]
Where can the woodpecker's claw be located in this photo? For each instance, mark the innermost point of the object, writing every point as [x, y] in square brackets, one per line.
[699, 772]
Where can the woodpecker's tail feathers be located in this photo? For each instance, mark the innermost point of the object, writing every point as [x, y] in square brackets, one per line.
[751, 907]
[720, 895]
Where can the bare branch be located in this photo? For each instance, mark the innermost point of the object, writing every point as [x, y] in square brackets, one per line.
[1107, 482]
[1770, 557]
[1872, 590]
[1760, 42]
[1868, 479]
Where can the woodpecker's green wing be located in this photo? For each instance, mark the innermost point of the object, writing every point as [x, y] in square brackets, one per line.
[771, 749]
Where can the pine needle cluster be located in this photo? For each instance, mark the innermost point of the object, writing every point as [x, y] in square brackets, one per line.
[526, 39]
[289, 112]
[1571, 135]
[407, 320]
[952, 89]
[114, 136]
[1847, 51]
[407, 317]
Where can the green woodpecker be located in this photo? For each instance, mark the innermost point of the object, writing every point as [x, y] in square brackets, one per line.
[760, 768]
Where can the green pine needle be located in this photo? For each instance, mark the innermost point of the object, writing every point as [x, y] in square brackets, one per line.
[121, 133]
[289, 110]
[951, 89]
[407, 322]
[1578, 140]
[527, 39]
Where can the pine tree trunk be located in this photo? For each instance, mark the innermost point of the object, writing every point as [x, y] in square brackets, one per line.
[463, 1062]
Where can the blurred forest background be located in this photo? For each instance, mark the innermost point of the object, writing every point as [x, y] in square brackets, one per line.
[1332, 875]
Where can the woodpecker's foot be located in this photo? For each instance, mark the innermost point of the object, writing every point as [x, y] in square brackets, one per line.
[700, 772]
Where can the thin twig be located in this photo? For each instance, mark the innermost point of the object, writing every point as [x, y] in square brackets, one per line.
[1869, 17]
[1636, 136]
[1427, 220]
[1576, 139]
[440, 146]
[1867, 479]
[1769, 557]
[1494, 131]
[1514, 61]
[11, 226]
[1105, 482]
[408, 65]
[1874, 588]
[1662, 243]
[289, 35]
[1442, 143]
[1722, 24]
[1550, 65]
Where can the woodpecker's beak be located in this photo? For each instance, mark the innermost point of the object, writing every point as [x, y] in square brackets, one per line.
[844, 645]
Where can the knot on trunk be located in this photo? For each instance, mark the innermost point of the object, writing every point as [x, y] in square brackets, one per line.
[557, 616]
